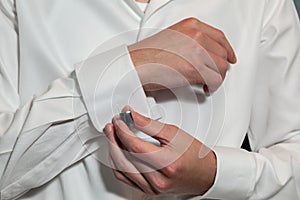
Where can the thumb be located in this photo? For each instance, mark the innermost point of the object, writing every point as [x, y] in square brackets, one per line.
[153, 128]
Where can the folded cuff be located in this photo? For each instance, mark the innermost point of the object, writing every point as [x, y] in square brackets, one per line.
[108, 82]
[235, 174]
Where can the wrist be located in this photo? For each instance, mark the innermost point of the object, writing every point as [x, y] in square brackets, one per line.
[141, 59]
[208, 172]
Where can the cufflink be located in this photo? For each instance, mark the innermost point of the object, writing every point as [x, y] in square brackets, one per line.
[127, 118]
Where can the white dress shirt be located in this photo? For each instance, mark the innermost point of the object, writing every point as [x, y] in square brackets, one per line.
[142, 5]
[65, 72]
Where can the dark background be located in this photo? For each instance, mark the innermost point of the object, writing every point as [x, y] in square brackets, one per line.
[297, 2]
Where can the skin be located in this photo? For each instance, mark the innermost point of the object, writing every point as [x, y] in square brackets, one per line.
[188, 52]
[174, 167]
[143, 1]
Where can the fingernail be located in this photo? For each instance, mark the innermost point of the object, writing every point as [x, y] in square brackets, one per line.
[108, 129]
[126, 108]
[116, 120]
[234, 59]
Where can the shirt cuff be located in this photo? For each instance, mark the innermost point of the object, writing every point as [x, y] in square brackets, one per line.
[235, 175]
[108, 82]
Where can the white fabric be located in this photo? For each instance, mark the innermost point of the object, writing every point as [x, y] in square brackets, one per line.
[142, 5]
[51, 123]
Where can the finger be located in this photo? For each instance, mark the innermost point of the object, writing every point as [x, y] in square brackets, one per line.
[129, 140]
[152, 175]
[220, 37]
[153, 128]
[121, 177]
[124, 167]
[211, 45]
[205, 70]
[217, 63]
[156, 178]
[208, 73]
[135, 180]
[221, 63]
[117, 154]
[150, 154]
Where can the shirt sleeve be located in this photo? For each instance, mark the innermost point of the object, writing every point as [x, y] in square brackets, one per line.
[272, 170]
[50, 132]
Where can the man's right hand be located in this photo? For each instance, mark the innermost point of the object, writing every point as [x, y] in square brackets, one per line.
[188, 52]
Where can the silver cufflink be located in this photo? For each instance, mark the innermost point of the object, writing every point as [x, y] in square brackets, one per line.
[127, 118]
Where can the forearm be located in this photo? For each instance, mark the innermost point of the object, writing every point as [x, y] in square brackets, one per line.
[47, 133]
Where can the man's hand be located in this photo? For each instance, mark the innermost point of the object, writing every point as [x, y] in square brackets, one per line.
[181, 165]
[189, 52]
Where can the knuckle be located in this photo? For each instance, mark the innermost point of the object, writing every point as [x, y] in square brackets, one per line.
[223, 68]
[145, 187]
[118, 176]
[196, 34]
[200, 35]
[150, 192]
[217, 82]
[223, 53]
[145, 121]
[191, 21]
[199, 50]
[122, 165]
[192, 33]
[173, 170]
[172, 128]
[162, 185]
[135, 147]
[221, 34]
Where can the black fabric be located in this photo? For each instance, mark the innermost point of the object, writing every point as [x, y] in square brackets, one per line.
[246, 144]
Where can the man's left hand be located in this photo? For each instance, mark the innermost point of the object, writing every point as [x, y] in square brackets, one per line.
[180, 165]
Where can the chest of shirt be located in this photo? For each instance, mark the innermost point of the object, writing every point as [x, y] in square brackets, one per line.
[54, 35]
[72, 29]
